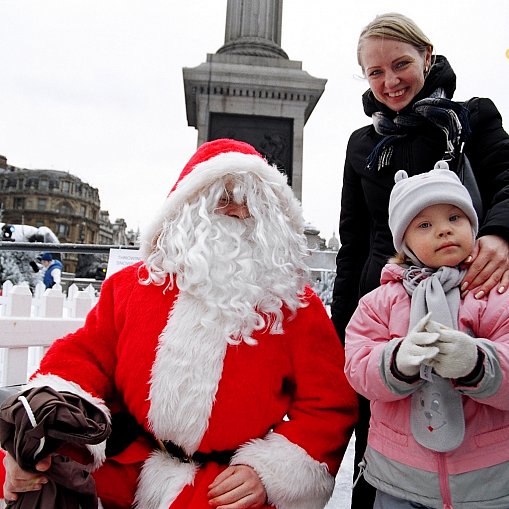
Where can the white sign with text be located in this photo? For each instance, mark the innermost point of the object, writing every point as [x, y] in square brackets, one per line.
[120, 258]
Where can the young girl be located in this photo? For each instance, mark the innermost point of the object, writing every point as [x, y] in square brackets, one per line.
[434, 366]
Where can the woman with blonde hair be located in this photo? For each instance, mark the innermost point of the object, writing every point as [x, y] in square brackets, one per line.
[415, 123]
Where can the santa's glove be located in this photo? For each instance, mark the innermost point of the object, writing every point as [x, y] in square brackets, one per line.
[458, 352]
[417, 347]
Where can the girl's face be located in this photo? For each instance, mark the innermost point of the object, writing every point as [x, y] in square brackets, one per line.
[440, 235]
[395, 70]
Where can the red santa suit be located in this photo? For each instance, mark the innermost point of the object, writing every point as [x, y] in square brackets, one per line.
[282, 406]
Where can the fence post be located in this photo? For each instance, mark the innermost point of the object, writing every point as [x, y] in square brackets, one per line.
[81, 304]
[19, 303]
[6, 288]
[91, 290]
[71, 291]
[52, 303]
[40, 288]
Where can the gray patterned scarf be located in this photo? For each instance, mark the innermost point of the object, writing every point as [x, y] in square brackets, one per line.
[452, 117]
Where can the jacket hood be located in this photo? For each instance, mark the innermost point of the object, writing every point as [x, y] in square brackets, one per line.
[441, 75]
[392, 272]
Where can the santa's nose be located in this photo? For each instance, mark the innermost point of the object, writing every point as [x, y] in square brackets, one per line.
[237, 210]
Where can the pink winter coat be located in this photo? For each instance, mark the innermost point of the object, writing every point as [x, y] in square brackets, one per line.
[382, 317]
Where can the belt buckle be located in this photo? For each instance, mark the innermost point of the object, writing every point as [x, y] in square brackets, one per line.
[184, 458]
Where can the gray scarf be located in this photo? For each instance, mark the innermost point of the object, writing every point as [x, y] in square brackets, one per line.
[436, 415]
[450, 116]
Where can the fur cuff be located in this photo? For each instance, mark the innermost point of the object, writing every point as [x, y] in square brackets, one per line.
[292, 478]
[56, 383]
[161, 480]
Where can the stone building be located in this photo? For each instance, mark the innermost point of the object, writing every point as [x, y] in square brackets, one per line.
[64, 203]
[314, 241]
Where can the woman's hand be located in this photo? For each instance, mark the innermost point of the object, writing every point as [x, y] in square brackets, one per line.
[237, 487]
[489, 267]
[18, 481]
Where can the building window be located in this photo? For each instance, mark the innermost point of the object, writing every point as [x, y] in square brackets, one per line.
[66, 186]
[43, 185]
[19, 203]
[32, 182]
[41, 204]
[64, 209]
[62, 230]
[20, 183]
[83, 211]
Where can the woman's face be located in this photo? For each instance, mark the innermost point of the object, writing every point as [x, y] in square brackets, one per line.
[394, 69]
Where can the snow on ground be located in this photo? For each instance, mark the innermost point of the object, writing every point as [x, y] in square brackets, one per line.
[343, 490]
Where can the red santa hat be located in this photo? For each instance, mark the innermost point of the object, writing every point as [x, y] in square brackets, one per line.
[212, 161]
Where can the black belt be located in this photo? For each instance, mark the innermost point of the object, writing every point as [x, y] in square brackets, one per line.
[220, 457]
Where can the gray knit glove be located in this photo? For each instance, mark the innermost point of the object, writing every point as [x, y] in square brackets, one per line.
[458, 351]
[417, 347]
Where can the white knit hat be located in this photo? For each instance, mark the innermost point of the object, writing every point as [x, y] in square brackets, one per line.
[410, 195]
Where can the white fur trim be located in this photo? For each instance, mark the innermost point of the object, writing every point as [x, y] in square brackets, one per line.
[205, 174]
[161, 480]
[292, 478]
[185, 375]
[59, 384]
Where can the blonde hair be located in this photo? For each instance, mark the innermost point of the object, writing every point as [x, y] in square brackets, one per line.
[400, 259]
[395, 26]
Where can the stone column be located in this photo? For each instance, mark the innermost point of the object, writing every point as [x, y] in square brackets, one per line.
[253, 27]
[251, 91]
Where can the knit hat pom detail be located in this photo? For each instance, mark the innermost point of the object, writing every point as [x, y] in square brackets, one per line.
[400, 175]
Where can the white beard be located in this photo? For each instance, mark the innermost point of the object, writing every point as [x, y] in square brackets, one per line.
[234, 280]
[244, 271]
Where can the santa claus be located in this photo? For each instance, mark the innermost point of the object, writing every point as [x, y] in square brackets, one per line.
[218, 348]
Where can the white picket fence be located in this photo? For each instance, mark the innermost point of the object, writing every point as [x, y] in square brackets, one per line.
[30, 323]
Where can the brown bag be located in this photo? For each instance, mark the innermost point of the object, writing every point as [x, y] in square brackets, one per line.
[31, 433]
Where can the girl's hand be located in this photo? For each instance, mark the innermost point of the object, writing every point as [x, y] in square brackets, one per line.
[489, 267]
[18, 481]
[237, 487]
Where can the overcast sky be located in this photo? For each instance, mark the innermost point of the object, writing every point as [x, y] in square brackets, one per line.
[95, 87]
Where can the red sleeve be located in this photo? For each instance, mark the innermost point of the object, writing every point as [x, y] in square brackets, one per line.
[324, 408]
